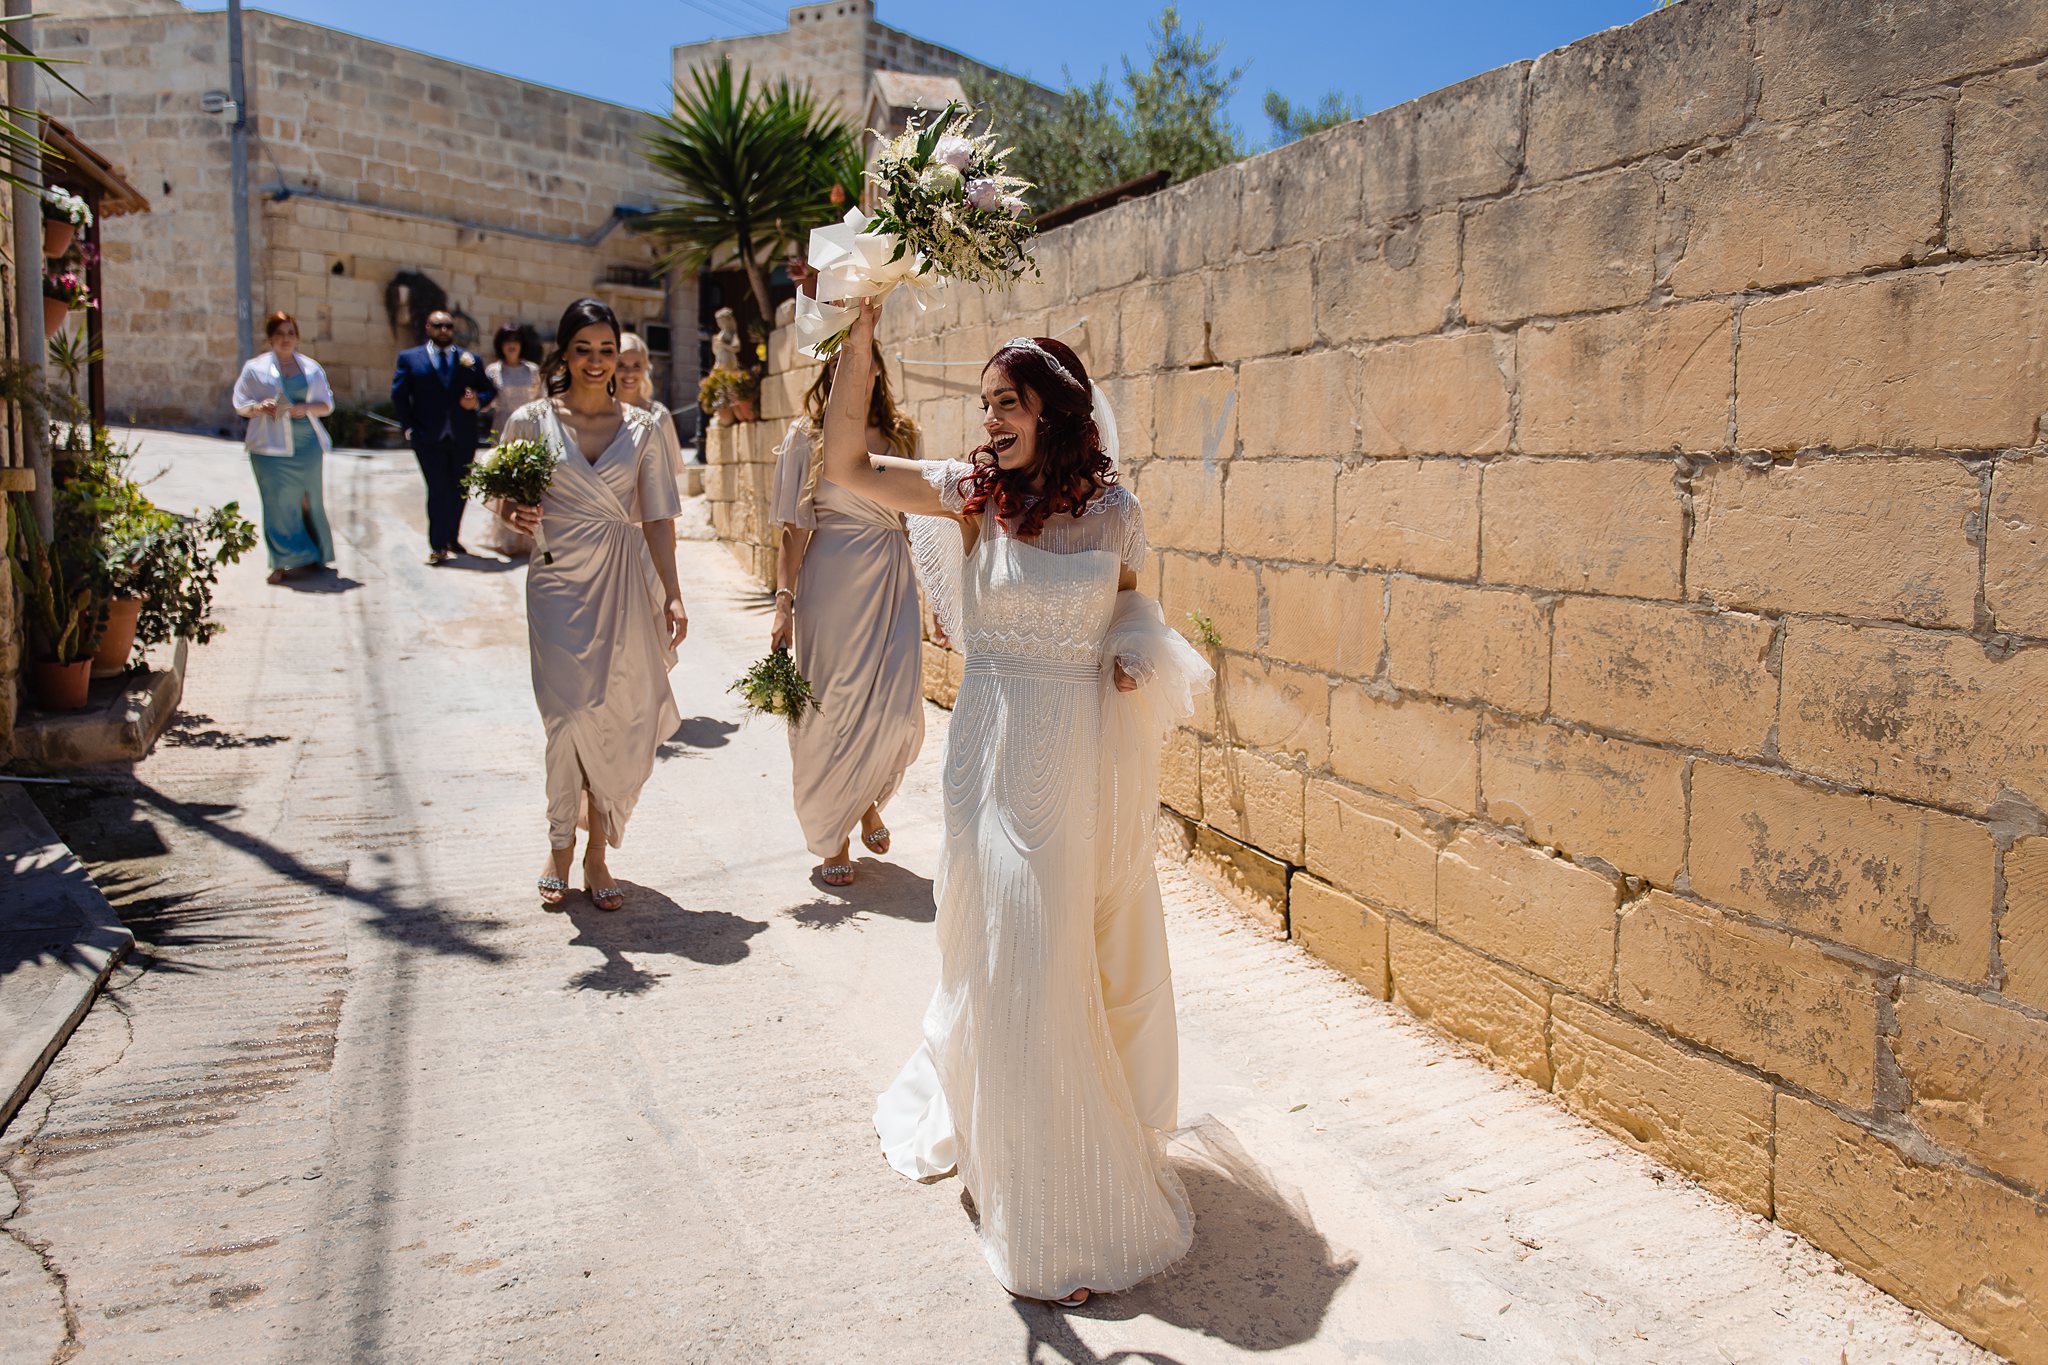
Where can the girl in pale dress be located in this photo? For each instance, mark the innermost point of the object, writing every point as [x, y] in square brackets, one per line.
[1048, 1074]
[846, 597]
[605, 617]
[636, 386]
[518, 381]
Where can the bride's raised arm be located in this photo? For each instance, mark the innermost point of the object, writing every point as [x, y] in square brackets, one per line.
[893, 482]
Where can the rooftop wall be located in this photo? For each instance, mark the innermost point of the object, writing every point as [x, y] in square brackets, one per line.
[1617, 485]
[393, 159]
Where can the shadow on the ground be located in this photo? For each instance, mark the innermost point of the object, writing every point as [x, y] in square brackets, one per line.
[325, 581]
[651, 924]
[195, 730]
[1259, 1275]
[698, 732]
[878, 889]
[115, 822]
[475, 563]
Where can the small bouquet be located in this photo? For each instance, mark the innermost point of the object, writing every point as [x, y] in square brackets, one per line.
[947, 208]
[519, 470]
[773, 687]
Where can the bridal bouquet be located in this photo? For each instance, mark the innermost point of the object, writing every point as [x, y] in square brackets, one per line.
[519, 470]
[773, 687]
[946, 208]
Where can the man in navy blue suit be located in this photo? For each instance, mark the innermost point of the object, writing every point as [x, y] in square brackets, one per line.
[437, 391]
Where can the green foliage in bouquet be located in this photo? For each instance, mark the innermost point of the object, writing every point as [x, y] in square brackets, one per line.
[518, 470]
[948, 195]
[773, 687]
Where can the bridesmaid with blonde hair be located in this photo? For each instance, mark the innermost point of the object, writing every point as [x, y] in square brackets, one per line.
[846, 598]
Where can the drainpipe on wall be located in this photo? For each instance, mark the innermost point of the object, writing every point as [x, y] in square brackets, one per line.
[28, 263]
[238, 134]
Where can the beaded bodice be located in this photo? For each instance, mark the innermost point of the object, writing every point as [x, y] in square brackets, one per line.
[1049, 598]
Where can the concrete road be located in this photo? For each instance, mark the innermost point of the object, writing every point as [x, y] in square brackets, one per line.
[357, 1097]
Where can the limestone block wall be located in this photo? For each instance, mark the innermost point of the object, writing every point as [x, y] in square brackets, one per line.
[365, 158]
[834, 48]
[1617, 484]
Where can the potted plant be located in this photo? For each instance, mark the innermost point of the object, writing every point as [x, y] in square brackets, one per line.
[64, 289]
[729, 394]
[64, 213]
[60, 612]
[173, 563]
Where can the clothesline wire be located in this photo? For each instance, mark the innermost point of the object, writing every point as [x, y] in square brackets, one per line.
[903, 359]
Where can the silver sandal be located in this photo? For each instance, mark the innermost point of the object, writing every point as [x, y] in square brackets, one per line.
[878, 840]
[609, 898]
[552, 889]
[831, 870]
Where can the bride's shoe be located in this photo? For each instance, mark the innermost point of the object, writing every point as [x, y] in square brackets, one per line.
[836, 874]
[877, 839]
[552, 889]
[1073, 1300]
[609, 897]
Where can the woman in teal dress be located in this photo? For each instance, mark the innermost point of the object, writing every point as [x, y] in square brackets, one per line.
[284, 394]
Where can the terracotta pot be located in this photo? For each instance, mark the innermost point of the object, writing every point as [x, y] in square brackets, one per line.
[117, 641]
[59, 687]
[742, 410]
[57, 235]
[54, 313]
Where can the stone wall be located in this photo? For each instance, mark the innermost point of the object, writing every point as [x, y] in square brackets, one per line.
[364, 159]
[1617, 484]
[833, 48]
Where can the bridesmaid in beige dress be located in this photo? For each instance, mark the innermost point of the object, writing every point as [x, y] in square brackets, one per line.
[636, 386]
[605, 617]
[846, 596]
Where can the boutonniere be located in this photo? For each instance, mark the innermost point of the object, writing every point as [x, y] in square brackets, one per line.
[467, 358]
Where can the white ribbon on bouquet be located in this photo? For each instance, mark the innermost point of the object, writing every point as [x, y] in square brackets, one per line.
[853, 264]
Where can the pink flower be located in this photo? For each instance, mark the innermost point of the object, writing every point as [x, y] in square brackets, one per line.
[984, 194]
[1014, 206]
[954, 151]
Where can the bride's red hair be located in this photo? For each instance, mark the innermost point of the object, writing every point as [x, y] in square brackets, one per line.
[1071, 465]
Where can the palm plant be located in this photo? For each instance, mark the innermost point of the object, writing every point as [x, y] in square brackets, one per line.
[750, 171]
[21, 143]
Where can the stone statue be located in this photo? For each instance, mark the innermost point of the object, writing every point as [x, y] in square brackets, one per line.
[725, 347]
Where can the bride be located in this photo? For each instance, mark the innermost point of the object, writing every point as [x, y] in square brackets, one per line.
[1048, 1074]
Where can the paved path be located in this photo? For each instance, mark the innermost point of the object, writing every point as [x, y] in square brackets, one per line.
[356, 1097]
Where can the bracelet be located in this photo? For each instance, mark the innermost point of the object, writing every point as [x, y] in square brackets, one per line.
[786, 592]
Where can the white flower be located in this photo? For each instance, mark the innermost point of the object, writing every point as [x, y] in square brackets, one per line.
[984, 194]
[68, 206]
[955, 151]
[942, 179]
[1014, 206]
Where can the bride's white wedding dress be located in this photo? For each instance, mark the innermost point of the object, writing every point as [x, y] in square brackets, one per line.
[1048, 1076]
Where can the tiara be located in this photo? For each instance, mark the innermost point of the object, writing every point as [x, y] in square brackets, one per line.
[1031, 344]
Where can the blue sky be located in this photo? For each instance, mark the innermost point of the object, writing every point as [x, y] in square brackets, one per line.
[1378, 53]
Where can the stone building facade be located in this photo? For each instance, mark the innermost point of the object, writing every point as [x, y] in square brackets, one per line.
[369, 164]
[835, 49]
[1617, 485]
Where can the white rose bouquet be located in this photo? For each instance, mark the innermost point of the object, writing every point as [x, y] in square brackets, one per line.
[946, 208]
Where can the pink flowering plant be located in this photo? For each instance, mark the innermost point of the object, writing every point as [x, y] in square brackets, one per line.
[947, 196]
[65, 280]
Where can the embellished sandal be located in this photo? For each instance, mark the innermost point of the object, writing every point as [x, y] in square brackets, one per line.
[877, 839]
[552, 889]
[837, 874]
[1073, 1300]
[609, 897]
